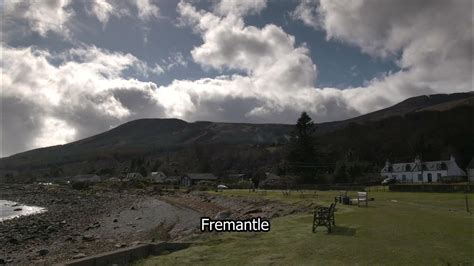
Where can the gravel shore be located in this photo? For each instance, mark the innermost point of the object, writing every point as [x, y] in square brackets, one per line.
[81, 223]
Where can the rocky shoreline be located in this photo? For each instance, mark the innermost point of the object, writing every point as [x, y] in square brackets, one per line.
[81, 223]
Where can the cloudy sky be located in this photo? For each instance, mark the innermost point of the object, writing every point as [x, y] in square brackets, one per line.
[73, 68]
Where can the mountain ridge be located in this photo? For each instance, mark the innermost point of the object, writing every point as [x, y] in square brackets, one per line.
[148, 135]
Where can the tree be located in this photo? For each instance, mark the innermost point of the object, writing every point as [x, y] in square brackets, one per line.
[143, 171]
[156, 166]
[302, 153]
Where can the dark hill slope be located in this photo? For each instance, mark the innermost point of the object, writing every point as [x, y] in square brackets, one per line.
[149, 135]
[407, 120]
[410, 105]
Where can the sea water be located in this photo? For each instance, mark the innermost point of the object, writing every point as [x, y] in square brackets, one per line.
[11, 209]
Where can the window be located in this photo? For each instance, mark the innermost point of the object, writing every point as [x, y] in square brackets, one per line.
[404, 178]
[443, 166]
[420, 177]
[439, 176]
[430, 178]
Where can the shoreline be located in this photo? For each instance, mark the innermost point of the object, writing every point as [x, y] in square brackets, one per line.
[13, 209]
[82, 223]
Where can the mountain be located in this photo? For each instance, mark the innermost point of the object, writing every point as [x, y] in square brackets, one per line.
[433, 102]
[190, 144]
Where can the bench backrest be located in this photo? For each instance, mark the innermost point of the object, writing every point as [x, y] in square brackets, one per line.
[332, 208]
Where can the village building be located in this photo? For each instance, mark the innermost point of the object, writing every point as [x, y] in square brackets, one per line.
[235, 178]
[134, 176]
[470, 171]
[190, 179]
[424, 172]
[157, 177]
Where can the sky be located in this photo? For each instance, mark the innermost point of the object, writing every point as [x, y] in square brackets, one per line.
[72, 68]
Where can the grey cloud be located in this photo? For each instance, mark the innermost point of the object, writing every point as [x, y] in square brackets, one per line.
[19, 126]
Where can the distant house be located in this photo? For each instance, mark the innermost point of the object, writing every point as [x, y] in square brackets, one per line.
[134, 176]
[424, 172]
[157, 177]
[190, 179]
[86, 178]
[470, 171]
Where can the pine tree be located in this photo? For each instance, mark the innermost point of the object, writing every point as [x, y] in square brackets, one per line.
[302, 151]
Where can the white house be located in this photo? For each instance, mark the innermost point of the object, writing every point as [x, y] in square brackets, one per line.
[157, 177]
[424, 172]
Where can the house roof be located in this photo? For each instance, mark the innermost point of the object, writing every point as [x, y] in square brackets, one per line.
[157, 173]
[449, 165]
[201, 176]
[471, 164]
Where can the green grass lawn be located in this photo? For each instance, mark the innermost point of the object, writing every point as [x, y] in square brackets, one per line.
[396, 229]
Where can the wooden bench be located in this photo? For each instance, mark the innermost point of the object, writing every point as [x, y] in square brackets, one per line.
[362, 197]
[324, 216]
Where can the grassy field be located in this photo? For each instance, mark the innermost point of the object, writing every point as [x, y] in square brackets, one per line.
[396, 229]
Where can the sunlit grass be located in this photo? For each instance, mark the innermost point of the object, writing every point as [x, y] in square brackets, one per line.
[396, 229]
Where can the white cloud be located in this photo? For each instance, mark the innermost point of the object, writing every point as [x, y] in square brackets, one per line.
[42, 16]
[431, 41]
[239, 7]
[57, 16]
[280, 76]
[175, 60]
[146, 10]
[102, 9]
[307, 12]
[54, 132]
[84, 94]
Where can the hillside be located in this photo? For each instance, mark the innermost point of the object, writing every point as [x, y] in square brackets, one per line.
[188, 143]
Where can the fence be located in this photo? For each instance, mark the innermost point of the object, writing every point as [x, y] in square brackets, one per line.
[432, 187]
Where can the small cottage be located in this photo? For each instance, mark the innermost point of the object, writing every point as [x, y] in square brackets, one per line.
[134, 176]
[157, 177]
[190, 179]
